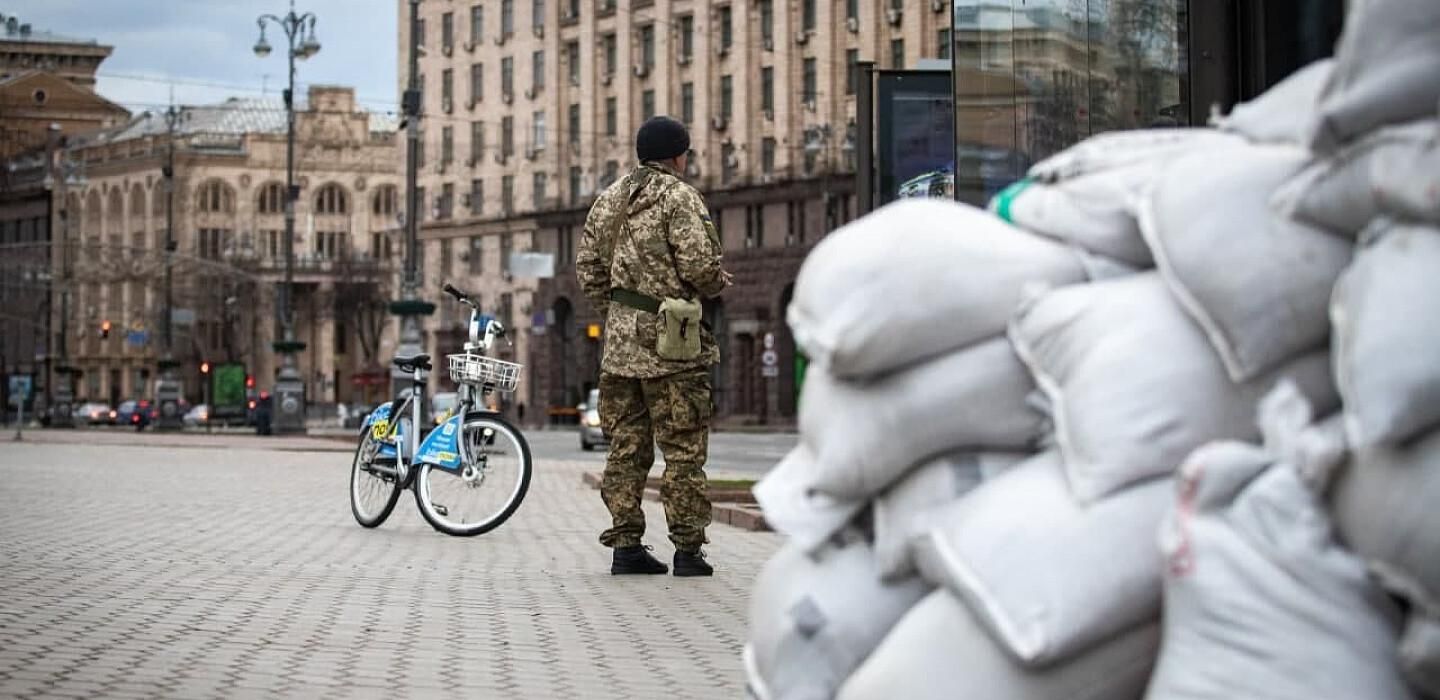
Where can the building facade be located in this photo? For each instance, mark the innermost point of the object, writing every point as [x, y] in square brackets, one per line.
[229, 257]
[48, 80]
[530, 109]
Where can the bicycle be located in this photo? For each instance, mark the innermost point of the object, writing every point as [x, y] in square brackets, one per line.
[452, 470]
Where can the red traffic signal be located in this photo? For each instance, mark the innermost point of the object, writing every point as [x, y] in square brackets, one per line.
[249, 381]
[204, 367]
[104, 330]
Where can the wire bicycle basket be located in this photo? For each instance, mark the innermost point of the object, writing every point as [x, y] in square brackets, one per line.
[480, 370]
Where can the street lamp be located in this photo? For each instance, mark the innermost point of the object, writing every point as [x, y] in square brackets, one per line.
[300, 42]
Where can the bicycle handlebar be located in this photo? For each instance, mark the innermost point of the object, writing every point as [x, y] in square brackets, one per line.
[452, 291]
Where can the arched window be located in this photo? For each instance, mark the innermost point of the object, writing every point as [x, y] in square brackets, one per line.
[272, 199]
[386, 201]
[215, 197]
[331, 200]
[137, 216]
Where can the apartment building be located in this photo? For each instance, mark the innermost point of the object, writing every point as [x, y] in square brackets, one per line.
[530, 109]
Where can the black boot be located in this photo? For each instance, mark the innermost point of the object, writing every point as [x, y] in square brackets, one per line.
[692, 564]
[636, 559]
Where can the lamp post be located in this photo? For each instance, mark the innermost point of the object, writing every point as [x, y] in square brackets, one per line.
[168, 387]
[289, 393]
[410, 307]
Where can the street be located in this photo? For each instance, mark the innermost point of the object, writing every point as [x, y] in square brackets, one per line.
[230, 566]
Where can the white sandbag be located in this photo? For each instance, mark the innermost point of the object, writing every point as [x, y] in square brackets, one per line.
[865, 435]
[939, 651]
[1386, 505]
[1284, 112]
[1394, 171]
[906, 510]
[1027, 557]
[1420, 641]
[1095, 212]
[914, 280]
[795, 508]
[813, 619]
[1386, 313]
[1385, 68]
[1133, 383]
[1257, 282]
[1260, 602]
[1118, 149]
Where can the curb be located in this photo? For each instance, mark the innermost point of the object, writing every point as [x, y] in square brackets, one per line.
[746, 516]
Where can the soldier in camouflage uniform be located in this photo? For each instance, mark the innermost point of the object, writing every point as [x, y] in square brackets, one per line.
[649, 237]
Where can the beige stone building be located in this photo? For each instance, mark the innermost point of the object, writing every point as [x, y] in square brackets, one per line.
[48, 80]
[530, 107]
[229, 166]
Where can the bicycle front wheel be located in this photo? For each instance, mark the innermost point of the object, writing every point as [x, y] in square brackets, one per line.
[373, 492]
[488, 487]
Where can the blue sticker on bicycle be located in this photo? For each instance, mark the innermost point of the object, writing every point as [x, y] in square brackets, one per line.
[442, 446]
[381, 412]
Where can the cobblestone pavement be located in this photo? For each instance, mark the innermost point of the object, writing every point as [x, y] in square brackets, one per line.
[226, 568]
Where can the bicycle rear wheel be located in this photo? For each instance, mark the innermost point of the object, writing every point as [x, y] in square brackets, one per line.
[373, 492]
[488, 487]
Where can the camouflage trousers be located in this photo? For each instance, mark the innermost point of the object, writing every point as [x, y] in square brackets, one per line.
[673, 411]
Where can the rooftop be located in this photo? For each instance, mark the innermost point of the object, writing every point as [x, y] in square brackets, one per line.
[12, 29]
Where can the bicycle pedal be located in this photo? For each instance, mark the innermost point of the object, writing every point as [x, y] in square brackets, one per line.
[386, 460]
[442, 510]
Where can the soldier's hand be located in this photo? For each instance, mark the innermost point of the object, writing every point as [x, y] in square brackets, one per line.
[729, 278]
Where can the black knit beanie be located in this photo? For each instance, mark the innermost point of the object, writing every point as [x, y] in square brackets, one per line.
[661, 138]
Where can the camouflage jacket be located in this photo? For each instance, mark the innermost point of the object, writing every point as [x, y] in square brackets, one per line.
[651, 233]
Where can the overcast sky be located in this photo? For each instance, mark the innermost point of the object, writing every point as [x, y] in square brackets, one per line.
[203, 47]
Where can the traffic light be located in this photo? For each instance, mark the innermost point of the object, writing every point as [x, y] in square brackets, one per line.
[105, 330]
[249, 381]
[204, 367]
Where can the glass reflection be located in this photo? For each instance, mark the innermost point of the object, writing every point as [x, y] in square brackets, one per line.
[1033, 77]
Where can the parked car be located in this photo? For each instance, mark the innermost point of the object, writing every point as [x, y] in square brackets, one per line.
[136, 414]
[590, 433]
[196, 416]
[92, 413]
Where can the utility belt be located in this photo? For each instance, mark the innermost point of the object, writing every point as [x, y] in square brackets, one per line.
[678, 335]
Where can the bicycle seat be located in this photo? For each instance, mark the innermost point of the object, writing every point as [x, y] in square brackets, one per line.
[413, 362]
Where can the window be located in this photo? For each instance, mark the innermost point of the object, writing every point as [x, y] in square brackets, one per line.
[852, 9]
[215, 198]
[447, 146]
[446, 258]
[647, 46]
[728, 163]
[329, 245]
[420, 33]
[507, 136]
[537, 16]
[572, 9]
[574, 184]
[537, 139]
[687, 36]
[572, 62]
[507, 243]
[447, 201]
[607, 43]
[477, 196]
[727, 37]
[726, 91]
[272, 199]
[795, 222]
[477, 82]
[852, 58]
[612, 172]
[507, 76]
[420, 149]
[477, 142]
[897, 54]
[507, 193]
[211, 243]
[386, 201]
[507, 18]
[537, 70]
[807, 15]
[574, 125]
[537, 190]
[565, 245]
[767, 22]
[447, 31]
[767, 91]
[755, 226]
[270, 244]
[379, 246]
[607, 7]
[420, 204]
[611, 118]
[767, 155]
[447, 86]
[647, 104]
[331, 200]
[477, 24]
[687, 103]
[475, 262]
[942, 43]
[810, 85]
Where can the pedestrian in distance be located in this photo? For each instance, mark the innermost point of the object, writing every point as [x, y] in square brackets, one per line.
[648, 256]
